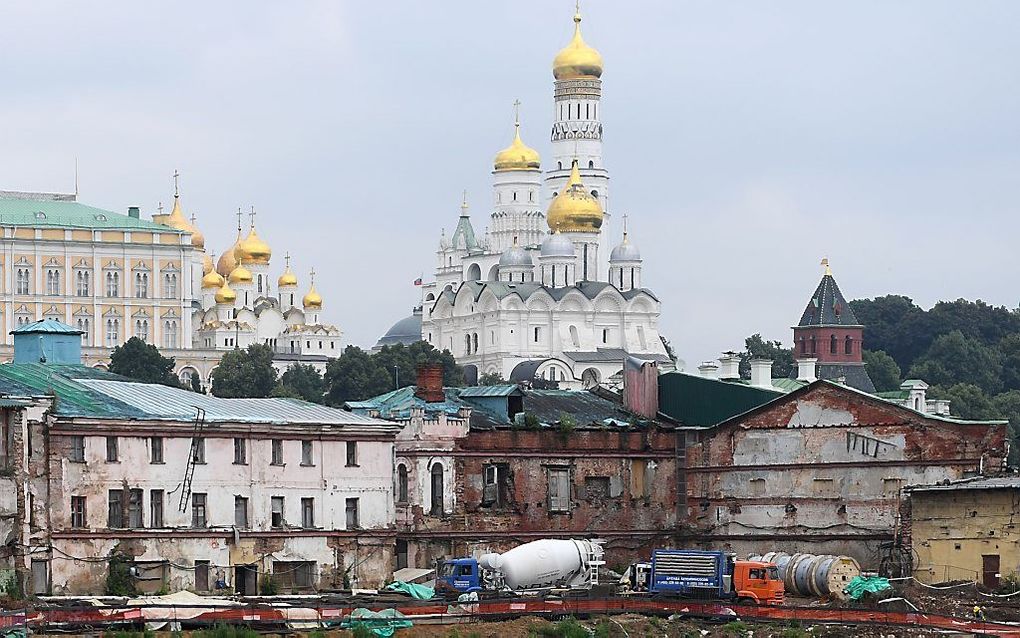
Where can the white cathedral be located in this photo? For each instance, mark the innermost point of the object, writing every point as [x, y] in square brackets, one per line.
[533, 298]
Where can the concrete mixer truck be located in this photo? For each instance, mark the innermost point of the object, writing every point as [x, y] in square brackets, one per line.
[537, 566]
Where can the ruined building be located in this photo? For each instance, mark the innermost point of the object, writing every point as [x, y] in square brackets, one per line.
[98, 470]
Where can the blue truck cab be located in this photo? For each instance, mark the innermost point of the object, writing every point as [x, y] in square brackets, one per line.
[460, 575]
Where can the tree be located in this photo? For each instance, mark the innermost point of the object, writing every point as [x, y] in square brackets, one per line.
[353, 376]
[304, 382]
[967, 401]
[196, 382]
[882, 369]
[143, 362]
[955, 358]
[755, 347]
[894, 325]
[245, 373]
[491, 378]
[1008, 406]
[1009, 348]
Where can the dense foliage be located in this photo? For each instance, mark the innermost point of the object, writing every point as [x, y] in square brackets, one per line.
[357, 375]
[301, 381]
[755, 347]
[245, 373]
[142, 361]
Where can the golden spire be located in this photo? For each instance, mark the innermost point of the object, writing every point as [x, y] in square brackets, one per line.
[312, 300]
[176, 219]
[464, 205]
[517, 156]
[825, 264]
[575, 209]
[288, 278]
[577, 59]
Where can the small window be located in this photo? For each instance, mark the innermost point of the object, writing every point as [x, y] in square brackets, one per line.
[559, 489]
[277, 452]
[198, 513]
[155, 508]
[833, 345]
[848, 346]
[240, 512]
[605, 335]
[78, 514]
[156, 449]
[240, 452]
[277, 511]
[538, 333]
[308, 513]
[199, 451]
[77, 452]
[40, 215]
[757, 487]
[401, 483]
[135, 509]
[352, 454]
[115, 509]
[112, 450]
[824, 487]
[351, 509]
[306, 453]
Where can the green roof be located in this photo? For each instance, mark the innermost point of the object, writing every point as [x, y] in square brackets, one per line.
[699, 402]
[48, 326]
[43, 212]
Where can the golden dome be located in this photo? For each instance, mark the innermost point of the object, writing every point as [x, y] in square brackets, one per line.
[288, 278]
[312, 300]
[253, 250]
[225, 294]
[212, 279]
[517, 156]
[240, 275]
[574, 209]
[178, 221]
[207, 264]
[228, 260]
[577, 59]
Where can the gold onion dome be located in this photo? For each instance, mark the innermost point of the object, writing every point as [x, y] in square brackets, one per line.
[240, 275]
[207, 264]
[178, 221]
[288, 278]
[517, 156]
[228, 260]
[212, 279]
[312, 300]
[253, 250]
[225, 294]
[577, 59]
[574, 209]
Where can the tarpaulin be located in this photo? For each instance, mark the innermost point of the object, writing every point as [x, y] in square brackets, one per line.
[421, 592]
[381, 623]
[861, 585]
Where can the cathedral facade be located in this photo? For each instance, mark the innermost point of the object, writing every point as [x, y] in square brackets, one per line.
[535, 297]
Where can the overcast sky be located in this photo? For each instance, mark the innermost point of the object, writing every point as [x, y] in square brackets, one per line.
[746, 140]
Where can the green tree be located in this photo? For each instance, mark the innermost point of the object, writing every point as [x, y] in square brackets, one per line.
[491, 378]
[353, 376]
[1007, 405]
[143, 362]
[882, 369]
[196, 382]
[1009, 349]
[967, 401]
[245, 373]
[894, 325]
[755, 347]
[955, 358]
[304, 382]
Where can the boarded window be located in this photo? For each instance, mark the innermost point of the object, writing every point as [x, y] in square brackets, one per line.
[276, 503]
[77, 451]
[240, 452]
[241, 512]
[277, 452]
[201, 575]
[291, 575]
[436, 504]
[559, 489]
[156, 449]
[596, 488]
[824, 487]
[115, 509]
[495, 485]
[352, 454]
[306, 453]
[111, 449]
[891, 486]
[353, 517]
[401, 483]
[308, 513]
[151, 576]
[757, 487]
[156, 508]
[642, 478]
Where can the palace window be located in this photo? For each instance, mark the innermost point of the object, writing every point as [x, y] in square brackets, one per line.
[82, 280]
[833, 345]
[848, 346]
[169, 334]
[24, 279]
[142, 285]
[83, 325]
[142, 329]
[170, 285]
[52, 282]
[113, 284]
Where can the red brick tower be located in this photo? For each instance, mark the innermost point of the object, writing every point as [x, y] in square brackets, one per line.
[829, 332]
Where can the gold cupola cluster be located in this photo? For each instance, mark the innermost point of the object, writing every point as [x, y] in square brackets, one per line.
[250, 250]
[577, 59]
[517, 156]
[575, 209]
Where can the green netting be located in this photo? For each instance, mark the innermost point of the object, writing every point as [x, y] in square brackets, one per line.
[421, 592]
[861, 585]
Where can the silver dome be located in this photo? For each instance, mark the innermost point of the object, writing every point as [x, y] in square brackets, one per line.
[625, 251]
[515, 256]
[557, 245]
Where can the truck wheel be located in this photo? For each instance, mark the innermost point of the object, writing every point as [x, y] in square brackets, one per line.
[750, 602]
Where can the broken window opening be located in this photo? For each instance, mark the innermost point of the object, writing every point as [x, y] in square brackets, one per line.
[495, 485]
[558, 489]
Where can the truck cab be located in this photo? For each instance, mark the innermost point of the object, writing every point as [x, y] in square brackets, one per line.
[459, 575]
[758, 582]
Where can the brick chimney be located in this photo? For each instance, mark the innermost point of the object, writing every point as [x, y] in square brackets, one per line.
[430, 383]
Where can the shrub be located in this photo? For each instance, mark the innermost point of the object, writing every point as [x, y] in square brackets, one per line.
[736, 628]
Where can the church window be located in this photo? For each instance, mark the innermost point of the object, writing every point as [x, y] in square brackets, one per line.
[595, 111]
[833, 344]
[515, 196]
[559, 166]
[587, 113]
[631, 277]
[308, 344]
[584, 274]
[467, 344]
[320, 345]
[605, 335]
[23, 284]
[260, 284]
[474, 342]
[848, 347]
[492, 337]
[574, 338]
[591, 164]
[538, 333]
[813, 345]
[531, 196]
[570, 111]
[594, 194]
[641, 337]
[292, 299]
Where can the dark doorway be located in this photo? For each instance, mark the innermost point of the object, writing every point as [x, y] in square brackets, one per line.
[990, 570]
[41, 577]
[245, 580]
[201, 575]
[437, 490]
[401, 554]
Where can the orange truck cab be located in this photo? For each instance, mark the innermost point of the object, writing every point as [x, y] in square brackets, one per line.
[758, 582]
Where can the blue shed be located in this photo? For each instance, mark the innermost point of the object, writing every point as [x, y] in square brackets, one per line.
[47, 341]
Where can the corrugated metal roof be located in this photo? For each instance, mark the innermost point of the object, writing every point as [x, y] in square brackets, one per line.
[164, 402]
[49, 326]
[16, 211]
[696, 401]
[489, 391]
[977, 483]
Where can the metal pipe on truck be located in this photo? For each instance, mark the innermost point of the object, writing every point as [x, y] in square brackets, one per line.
[813, 574]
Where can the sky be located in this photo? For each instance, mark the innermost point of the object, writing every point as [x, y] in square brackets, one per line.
[745, 140]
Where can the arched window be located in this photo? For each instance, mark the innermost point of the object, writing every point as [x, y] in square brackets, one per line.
[467, 344]
[591, 164]
[813, 345]
[833, 344]
[848, 346]
[559, 166]
[436, 506]
[474, 343]
[574, 338]
[515, 196]
[401, 483]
